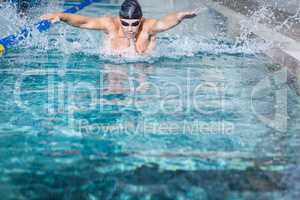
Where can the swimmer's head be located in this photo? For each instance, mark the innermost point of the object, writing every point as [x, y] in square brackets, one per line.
[131, 9]
[130, 16]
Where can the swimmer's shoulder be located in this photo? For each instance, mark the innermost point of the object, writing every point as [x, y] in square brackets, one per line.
[149, 24]
[110, 22]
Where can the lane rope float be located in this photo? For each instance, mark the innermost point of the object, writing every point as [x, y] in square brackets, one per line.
[1, 50]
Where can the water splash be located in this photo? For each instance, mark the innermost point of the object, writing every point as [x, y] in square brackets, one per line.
[267, 16]
[11, 21]
[171, 45]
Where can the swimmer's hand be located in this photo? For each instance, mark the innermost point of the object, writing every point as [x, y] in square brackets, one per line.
[197, 11]
[52, 17]
[190, 14]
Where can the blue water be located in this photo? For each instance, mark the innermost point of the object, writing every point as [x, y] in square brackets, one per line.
[202, 118]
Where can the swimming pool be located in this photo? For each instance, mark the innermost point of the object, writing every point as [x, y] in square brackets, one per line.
[202, 118]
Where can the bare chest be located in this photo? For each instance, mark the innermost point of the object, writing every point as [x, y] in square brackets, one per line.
[141, 44]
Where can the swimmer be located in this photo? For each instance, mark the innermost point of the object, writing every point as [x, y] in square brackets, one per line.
[129, 30]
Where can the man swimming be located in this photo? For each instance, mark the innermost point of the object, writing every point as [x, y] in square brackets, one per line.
[129, 30]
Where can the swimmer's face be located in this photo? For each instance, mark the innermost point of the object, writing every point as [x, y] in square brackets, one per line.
[130, 27]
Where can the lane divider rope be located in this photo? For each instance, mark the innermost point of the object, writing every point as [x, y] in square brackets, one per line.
[41, 26]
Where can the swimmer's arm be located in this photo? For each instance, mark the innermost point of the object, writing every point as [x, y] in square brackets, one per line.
[169, 21]
[100, 23]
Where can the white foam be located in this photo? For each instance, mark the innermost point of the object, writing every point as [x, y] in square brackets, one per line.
[184, 42]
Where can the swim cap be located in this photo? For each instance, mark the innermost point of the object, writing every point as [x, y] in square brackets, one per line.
[131, 9]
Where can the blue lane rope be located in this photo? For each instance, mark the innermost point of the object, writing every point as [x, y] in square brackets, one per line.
[41, 26]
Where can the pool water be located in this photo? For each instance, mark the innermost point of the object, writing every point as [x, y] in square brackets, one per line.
[202, 118]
